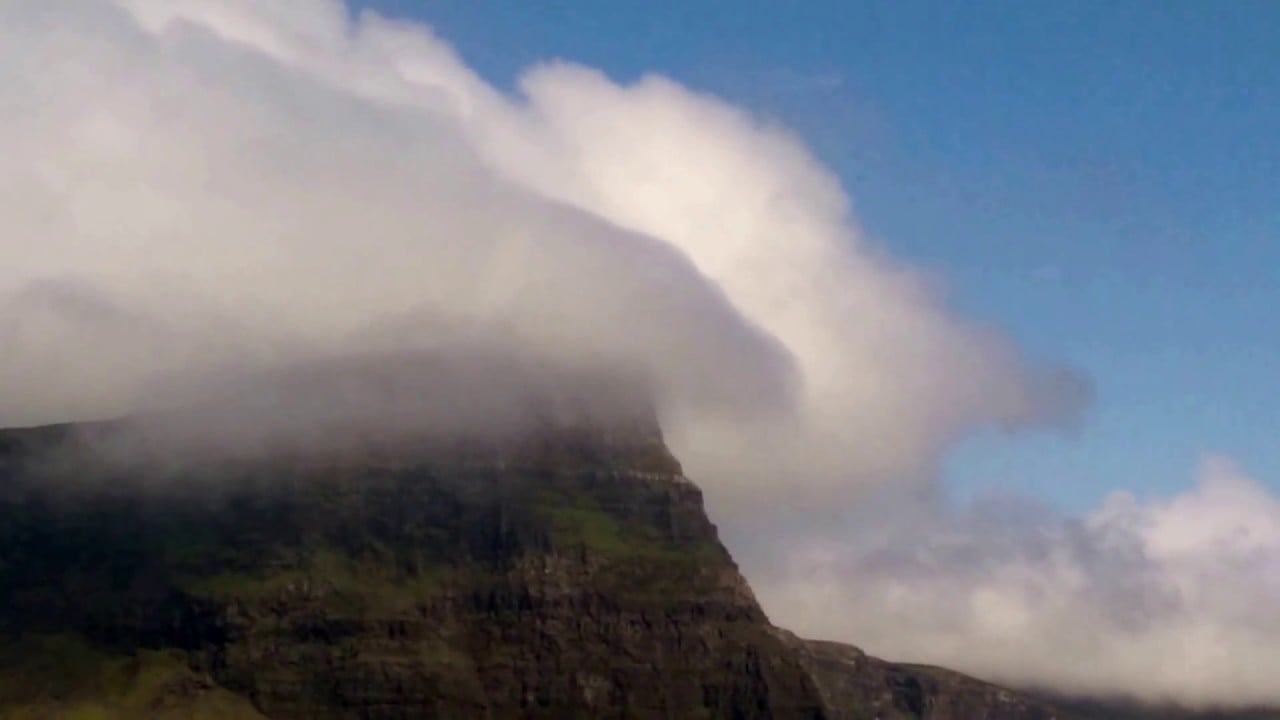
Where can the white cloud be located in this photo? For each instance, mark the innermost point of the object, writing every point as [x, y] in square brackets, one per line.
[1162, 600]
[246, 183]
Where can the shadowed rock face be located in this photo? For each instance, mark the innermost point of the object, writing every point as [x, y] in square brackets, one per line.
[856, 686]
[567, 571]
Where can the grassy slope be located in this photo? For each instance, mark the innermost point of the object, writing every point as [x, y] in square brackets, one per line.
[61, 677]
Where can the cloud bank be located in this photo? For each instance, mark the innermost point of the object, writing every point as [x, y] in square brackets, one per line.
[192, 190]
[205, 185]
[1167, 600]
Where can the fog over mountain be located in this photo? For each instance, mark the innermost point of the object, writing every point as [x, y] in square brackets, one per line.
[199, 195]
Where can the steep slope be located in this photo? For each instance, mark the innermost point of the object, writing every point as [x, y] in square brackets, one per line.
[570, 572]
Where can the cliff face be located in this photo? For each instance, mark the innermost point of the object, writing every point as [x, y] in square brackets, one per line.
[856, 686]
[569, 571]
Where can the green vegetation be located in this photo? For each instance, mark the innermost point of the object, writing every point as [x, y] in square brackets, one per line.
[342, 582]
[578, 520]
[584, 524]
[62, 677]
[245, 586]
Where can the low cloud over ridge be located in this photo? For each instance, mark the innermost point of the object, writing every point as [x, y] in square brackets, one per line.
[193, 188]
[208, 185]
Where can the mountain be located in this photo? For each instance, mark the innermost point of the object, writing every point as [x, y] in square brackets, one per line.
[568, 570]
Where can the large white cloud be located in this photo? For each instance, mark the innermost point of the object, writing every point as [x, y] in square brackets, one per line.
[211, 182]
[190, 188]
[182, 203]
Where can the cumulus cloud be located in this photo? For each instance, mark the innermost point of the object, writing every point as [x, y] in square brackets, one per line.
[192, 190]
[210, 184]
[1164, 600]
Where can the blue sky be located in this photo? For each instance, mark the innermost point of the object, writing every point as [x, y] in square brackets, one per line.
[1101, 180]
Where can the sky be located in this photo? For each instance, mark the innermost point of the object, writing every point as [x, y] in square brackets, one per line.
[1098, 179]
[957, 319]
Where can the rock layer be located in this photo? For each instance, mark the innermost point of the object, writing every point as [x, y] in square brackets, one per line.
[569, 571]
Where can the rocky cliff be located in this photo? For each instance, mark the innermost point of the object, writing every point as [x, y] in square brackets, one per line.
[567, 571]
[570, 572]
[856, 686]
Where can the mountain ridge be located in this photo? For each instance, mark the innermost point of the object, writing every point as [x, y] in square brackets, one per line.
[570, 571]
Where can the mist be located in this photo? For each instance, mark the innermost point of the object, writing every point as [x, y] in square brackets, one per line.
[202, 196]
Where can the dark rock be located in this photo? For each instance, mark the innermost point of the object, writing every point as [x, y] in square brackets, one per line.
[856, 686]
[571, 574]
